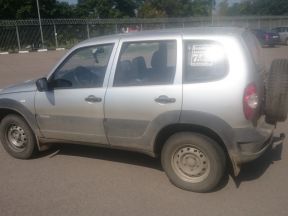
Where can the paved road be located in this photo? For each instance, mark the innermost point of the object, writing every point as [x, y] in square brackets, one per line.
[74, 180]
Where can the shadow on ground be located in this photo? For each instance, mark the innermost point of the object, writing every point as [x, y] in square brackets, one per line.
[249, 172]
[108, 154]
[257, 168]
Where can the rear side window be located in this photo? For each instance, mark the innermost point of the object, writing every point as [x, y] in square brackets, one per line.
[204, 61]
[146, 63]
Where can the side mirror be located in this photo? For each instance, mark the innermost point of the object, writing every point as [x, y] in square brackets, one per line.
[42, 84]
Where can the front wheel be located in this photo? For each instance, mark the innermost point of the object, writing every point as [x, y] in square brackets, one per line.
[193, 161]
[17, 137]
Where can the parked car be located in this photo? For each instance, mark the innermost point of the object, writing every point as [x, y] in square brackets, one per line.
[195, 97]
[283, 33]
[267, 38]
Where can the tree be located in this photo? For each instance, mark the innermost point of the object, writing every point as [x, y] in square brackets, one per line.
[27, 9]
[106, 8]
[259, 7]
[175, 8]
[148, 10]
[223, 7]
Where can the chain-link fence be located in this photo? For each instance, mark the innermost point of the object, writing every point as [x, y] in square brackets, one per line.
[19, 35]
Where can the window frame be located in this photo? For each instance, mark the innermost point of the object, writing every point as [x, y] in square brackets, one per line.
[161, 37]
[120, 52]
[71, 54]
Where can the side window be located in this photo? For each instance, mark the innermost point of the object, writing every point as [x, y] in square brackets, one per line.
[146, 63]
[204, 61]
[84, 68]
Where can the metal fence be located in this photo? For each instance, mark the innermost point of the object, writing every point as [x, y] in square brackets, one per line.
[19, 35]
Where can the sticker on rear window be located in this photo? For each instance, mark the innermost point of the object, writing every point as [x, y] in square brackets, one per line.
[204, 54]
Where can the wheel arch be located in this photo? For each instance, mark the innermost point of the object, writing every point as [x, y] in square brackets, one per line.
[8, 106]
[172, 129]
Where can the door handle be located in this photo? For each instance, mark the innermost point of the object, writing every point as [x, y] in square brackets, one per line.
[163, 99]
[93, 99]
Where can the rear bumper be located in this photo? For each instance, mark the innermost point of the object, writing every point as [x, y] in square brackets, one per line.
[253, 151]
[251, 143]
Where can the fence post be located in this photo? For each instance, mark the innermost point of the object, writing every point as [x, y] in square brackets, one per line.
[55, 34]
[88, 31]
[18, 38]
[116, 28]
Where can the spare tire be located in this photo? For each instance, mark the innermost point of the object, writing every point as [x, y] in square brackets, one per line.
[276, 99]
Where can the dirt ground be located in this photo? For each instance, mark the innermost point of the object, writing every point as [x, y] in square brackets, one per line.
[76, 180]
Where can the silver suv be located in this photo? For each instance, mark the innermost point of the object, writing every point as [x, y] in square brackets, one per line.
[196, 97]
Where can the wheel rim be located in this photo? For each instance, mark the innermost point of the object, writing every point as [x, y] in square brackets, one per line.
[190, 164]
[16, 137]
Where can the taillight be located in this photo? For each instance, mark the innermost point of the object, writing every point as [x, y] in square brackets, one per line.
[250, 101]
[267, 37]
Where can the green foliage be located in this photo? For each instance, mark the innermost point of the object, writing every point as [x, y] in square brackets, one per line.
[174, 8]
[256, 7]
[27, 9]
[106, 8]
[223, 7]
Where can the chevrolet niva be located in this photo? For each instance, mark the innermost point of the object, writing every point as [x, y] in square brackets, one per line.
[199, 98]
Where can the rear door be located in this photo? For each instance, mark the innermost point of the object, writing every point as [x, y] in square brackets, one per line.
[145, 90]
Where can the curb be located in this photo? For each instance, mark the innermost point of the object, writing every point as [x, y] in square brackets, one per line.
[42, 50]
[26, 51]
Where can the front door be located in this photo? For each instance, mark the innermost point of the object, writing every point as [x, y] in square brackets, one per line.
[72, 109]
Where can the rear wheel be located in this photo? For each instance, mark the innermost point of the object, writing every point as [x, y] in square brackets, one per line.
[17, 137]
[193, 161]
[276, 101]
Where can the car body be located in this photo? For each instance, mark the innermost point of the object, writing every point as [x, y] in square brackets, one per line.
[135, 91]
[283, 32]
[267, 38]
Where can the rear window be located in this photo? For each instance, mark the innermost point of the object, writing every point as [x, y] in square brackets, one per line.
[204, 61]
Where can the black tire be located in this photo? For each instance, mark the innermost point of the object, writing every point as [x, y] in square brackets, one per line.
[17, 137]
[209, 155]
[276, 100]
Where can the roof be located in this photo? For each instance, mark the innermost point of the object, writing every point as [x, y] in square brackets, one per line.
[173, 31]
